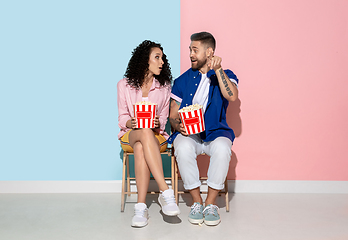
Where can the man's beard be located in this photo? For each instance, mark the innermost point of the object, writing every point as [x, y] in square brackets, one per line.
[199, 64]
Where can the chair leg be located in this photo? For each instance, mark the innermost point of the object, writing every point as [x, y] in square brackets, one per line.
[172, 173]
[176, 181]
[123, 182]
[128, 175]
[226, 196]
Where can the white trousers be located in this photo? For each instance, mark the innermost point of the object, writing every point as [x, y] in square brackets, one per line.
[188, 148]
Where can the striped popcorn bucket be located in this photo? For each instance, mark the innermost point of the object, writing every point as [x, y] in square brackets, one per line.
[145, 115]
[193, 121]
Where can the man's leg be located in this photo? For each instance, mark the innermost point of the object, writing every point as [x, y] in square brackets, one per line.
[186, 151]
[220, 152]
[196, 195]
[186, 154]
[211, 197]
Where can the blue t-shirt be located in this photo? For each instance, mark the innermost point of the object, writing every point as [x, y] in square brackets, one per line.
[184, 89]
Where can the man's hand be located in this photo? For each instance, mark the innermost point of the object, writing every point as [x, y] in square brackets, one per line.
[174, 117]
[228, 89]
[214, 62]
[177, 125]
[182, 130]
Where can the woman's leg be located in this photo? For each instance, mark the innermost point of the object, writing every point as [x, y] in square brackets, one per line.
[142, 172]
[151, 153]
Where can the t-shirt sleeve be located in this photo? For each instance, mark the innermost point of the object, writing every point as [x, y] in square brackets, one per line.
[233, 78]
[177, 93]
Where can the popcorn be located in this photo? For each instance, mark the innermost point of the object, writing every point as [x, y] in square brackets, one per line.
[190, 108]
[145, 113]
[145, 103]
[192, 118]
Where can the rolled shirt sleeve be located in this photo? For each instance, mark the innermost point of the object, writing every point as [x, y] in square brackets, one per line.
[124, 114]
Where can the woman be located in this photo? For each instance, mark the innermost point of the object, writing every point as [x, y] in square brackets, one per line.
[147, 78]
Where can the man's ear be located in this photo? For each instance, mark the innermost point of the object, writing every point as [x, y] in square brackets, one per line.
[210, 52]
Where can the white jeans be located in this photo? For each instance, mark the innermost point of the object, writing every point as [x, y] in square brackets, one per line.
[188, 148]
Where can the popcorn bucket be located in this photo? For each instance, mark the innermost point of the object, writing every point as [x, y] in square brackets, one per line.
[193, 121]
[145, 115]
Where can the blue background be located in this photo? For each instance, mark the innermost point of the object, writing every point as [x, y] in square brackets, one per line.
[60, 62]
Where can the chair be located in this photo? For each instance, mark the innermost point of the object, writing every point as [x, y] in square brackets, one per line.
[176, 180]
[126, 178]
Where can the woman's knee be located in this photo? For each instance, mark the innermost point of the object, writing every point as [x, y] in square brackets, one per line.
[143, 135]
[137, 147]
[146, 134]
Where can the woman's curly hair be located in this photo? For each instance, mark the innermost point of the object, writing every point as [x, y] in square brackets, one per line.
[138, 65]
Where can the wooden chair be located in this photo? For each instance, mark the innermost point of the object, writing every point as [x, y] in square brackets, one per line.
[126, 178]
[176, 190]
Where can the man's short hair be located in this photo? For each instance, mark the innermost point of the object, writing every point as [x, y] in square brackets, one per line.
[205, 38]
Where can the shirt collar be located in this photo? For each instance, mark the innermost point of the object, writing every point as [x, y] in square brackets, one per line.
[210, 73]
[196, 73]
[155, 84]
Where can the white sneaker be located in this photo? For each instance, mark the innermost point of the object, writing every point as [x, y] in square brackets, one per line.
[141, 215]
[168, 203]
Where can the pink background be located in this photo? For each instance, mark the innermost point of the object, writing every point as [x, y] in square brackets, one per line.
[291, 58]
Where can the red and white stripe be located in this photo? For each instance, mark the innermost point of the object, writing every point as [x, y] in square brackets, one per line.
[145, 115]
[193, 121]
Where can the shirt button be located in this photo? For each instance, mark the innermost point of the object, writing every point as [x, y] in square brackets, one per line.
[194, 77]
[196, 84]
[190, 94]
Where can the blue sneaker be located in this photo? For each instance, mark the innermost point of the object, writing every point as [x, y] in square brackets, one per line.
[196, 213]
[211, 215]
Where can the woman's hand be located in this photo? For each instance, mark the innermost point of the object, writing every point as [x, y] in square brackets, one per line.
[157, 122]
[131, 123]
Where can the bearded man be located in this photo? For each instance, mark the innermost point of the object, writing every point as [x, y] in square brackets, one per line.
[206, 84]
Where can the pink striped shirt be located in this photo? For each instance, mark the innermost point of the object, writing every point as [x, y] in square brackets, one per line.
[128, 95]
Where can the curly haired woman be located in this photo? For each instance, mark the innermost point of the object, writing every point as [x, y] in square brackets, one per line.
[147, 78]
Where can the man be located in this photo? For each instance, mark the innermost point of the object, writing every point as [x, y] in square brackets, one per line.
[207, 84]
